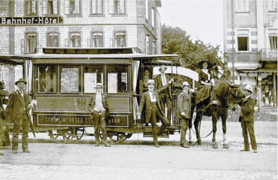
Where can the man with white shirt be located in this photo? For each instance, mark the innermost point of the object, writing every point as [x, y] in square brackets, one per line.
[246, 118]
[17, 108]
[150, 100]
[165, 96]
[98, 107]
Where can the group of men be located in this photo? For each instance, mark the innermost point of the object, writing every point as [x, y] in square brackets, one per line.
[156, 95]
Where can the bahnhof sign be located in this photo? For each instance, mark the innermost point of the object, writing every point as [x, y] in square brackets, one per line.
[30, 20]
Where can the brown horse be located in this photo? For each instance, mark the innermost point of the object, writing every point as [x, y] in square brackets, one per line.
[216, 106]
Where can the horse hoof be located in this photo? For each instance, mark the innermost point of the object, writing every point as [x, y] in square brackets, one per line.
[226, 146]
[199, 142]
[190, 143]
[214, 146]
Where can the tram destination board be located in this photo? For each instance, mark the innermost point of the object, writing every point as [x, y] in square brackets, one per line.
[77, 120]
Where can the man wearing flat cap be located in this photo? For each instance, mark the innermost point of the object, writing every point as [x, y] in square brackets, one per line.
[98, 107]
[165, 96]
[150, 100]
[17, 108]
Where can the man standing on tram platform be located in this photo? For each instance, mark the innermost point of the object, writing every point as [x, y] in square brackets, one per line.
[2, 123]
[99, 108]
[17, 108]
[166, 95]
[151, 101]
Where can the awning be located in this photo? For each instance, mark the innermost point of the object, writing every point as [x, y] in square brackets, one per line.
[11, 59]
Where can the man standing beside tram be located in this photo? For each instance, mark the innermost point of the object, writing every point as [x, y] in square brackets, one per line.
[151, 101]
[98, 107]
[18, 108]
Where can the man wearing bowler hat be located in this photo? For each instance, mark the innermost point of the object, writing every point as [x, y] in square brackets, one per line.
[150, 100]
[98, 107]
[165, 96]
[17, 108]
[246, 118]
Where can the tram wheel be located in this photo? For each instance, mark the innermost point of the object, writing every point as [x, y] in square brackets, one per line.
[68, 134]
[79, 132]
[118, 137]
[53, 134]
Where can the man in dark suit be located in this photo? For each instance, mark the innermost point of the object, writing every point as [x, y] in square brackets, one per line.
[17, 108]
[150, 100]
[246, 118]
[98, 107]
[165, 96]
[2, 120]
[184, 108]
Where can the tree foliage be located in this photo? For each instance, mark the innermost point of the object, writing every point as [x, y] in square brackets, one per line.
[175, 41]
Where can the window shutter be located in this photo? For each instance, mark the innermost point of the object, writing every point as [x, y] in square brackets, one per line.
[77, 7]
[55, 6]
[89, 42]
[67, 42]
[44, 7]
[23, 46]
[122, 6]
[66, 6]
[111, 6]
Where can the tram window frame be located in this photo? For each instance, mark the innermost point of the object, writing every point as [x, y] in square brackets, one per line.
[119, 82]
[79, 79]
[97, 80]
[53, 84]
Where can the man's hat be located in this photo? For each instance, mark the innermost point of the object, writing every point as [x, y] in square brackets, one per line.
[162, 66]
[185, 84]
[248, 88]
[151, 81]
[98, 86]
[20, 80]
[2, 85]
[200, 63]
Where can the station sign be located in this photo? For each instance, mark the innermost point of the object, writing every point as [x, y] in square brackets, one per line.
[30, 20]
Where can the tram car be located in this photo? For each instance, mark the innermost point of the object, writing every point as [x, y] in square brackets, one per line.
[63, 79]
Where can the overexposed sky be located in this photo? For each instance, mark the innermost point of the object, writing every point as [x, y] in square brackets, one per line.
[201, 19]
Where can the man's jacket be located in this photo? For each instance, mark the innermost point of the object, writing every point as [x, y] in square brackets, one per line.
[247, 110]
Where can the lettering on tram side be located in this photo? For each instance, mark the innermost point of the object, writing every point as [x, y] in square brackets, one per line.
[54, 119]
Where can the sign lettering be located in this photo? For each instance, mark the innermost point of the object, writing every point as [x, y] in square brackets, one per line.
[30, 20]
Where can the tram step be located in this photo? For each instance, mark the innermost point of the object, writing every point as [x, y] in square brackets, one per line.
[150, 134]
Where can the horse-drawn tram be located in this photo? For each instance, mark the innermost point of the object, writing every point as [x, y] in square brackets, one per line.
[63, 79]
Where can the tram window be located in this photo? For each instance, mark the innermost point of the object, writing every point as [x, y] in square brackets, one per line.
[47, 80]
[117, 79]
[69, 80]
[92, 75]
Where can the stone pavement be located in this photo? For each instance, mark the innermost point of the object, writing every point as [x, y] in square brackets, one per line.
[137, 158]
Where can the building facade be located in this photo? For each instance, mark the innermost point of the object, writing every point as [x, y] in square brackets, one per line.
[250, 43]
[27, 25]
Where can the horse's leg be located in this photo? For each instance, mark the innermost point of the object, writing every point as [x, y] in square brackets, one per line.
[224, 128]
[196, 124]
[214, 126]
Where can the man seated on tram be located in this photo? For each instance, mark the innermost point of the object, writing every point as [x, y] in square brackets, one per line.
[98, 107]
[151, 101]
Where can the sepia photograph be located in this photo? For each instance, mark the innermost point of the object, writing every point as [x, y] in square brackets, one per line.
[138, 89]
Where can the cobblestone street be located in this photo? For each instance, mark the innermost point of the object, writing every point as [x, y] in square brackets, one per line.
[137, 158]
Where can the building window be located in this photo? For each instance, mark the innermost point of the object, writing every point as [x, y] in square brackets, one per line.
[51, 7]
[97, 39]
[53, 39]
[243, 39]
[147, 44]
[120, 39]
[31, 7]
[153, 48]
[273, 42]
[117, 6]
[72, 7]
[97, 6]
[242, 5]
[31, 40]
[147, 9]
[153, 17]
[75, 39]
[272, 5]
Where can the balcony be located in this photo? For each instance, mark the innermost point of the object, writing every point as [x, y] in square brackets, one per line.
[269, 54]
